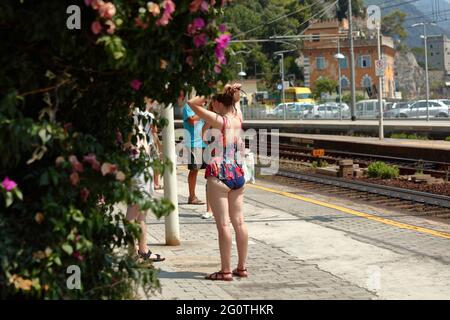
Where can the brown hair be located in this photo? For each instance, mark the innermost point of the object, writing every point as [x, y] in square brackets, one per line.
[227, 98]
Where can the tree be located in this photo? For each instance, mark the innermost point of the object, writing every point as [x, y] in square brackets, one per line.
[65, 102]
[357, 9]
[324, 85]
[392, 25]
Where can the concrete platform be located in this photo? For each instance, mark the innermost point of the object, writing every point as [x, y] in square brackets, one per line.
[436, 129]
[303, 250]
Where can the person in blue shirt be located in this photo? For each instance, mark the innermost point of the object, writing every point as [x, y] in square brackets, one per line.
[193, 125]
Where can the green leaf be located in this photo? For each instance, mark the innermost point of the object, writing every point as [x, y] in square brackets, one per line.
[44, 179]
[9, 199]
[58, 261]
[18, 193]
[67, 248]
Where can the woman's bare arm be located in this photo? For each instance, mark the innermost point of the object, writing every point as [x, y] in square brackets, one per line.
[213, 119]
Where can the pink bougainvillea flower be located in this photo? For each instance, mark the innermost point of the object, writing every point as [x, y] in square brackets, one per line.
[140, 24]
[169, 8]
[111, 27]
[136, 84]
[87, 2]
[204, 7]
[220, 55]
[217, 69]
[8, 184]
[200, 40]
[197, 24]
[223, 28]
[84, 194]
[213, 3]
[74, 178]
[77, 256]
[153, 8]
[107, 10]
[190, 60]
[120, 176]
[76, 165]
[96, 4]
[92, 160]
[108, 168]
[96, 27]
[223, 40]
[195, 5]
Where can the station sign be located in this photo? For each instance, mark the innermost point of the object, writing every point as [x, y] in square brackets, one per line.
[318, 153]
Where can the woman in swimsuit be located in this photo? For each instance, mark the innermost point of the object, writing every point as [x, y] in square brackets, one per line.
[225, 178]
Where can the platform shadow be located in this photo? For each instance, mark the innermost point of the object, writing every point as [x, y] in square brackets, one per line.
[181, 275]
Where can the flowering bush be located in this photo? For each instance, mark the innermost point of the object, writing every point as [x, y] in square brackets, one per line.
[65, 98]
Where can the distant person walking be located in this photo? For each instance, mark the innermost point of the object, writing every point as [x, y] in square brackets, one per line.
[193, 125]
[145, 188]
[225, 179]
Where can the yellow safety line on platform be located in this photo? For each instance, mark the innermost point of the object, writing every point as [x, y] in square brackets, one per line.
[354, 212]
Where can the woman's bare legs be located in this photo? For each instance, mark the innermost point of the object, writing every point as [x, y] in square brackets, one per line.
[133, 213]
[235, 207]
[218, 193]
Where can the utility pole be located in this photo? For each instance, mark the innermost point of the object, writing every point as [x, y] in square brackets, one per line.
[281, 54]
[380, 86]
[352, 60]
[427, 83]
[172, 225]
[374, 22]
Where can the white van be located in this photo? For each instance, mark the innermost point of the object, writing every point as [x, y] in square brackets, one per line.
[368, 108]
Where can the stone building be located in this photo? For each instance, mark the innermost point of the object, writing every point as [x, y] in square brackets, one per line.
[320, 62]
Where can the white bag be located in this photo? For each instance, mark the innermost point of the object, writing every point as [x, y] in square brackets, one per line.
[248, 165]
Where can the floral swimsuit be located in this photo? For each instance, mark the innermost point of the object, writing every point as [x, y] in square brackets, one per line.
[227, 168]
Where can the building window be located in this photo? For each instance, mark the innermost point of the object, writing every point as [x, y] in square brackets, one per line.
[364, 61]
[343, 63]
[345, 83]
[316, 37]
[320, 63]
[366, 81]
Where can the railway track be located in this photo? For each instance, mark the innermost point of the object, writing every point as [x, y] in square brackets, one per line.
[408, 201]
[405, 165]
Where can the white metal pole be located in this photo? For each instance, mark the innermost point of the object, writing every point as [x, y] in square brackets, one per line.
[340, 76]
[352, 60]
[282, 86]
[426, 68]
[170, 179]
[380, 87]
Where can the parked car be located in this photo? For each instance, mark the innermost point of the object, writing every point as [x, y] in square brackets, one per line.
[446, 101]
[294, 110]
[324, 111]
[368, 108]
[418, 109]
[392, 108]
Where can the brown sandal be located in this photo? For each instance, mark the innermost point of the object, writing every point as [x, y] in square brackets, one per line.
[242, 273]
[219, 276]
[196, 201]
